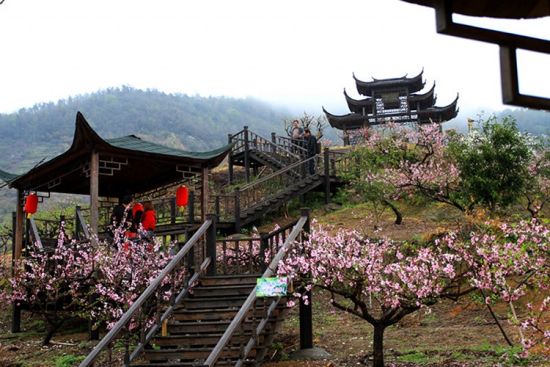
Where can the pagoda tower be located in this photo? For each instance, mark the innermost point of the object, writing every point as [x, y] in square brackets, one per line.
[396, 100]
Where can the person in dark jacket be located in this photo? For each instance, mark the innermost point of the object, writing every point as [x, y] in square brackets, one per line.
[311, 146]
[121, 215]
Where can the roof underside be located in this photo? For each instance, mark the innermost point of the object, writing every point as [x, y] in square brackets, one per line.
[414, 84]
[355, 120]
[414, 102]
[514, 9]
[127, 165]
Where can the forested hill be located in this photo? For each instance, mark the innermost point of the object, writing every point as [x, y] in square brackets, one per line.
[182, 121]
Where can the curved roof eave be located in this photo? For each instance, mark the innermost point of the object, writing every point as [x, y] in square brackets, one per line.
[86, 140]
[366, 88]
[357, 105]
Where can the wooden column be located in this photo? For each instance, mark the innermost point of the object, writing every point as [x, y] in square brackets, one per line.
[94, 192]
[19, 226]
[306, 311]
[17, 243]
[246, 155]
[326, 162]
[230, 159]
[204, 193]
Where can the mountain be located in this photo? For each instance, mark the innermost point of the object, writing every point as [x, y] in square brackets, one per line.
[195, 123]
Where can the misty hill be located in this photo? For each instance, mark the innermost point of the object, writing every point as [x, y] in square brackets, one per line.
[181, 121]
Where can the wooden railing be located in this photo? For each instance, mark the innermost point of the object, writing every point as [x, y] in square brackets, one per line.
[250, 254]
[259, 323]
[150, 308]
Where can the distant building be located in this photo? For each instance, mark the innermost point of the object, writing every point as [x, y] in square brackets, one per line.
[395, 100]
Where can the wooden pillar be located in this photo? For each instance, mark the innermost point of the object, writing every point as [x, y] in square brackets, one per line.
[19, 226]
[211, 244]
[306, 311]
[246, 155]
[230, 159]
[94, 192]
[327, 175]
[16, 309]
[204, 193]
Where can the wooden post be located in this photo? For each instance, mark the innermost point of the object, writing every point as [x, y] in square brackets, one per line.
[211, 244]
[274, 141]
[16, 310]
[306, 319]
[191, 207]
[217, 206]
[237, 210]
[173, 211]
[264, 244]
[327, 175]
[94, 193]
[204, 193]
[230, 160]
[19, 226]
[246, 155]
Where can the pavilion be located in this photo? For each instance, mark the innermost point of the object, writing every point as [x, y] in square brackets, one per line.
[110, 168]
[394, 99]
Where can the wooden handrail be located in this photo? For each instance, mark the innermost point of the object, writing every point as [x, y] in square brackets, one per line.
[34, 232]
[276, 173]
[151, 289]
[82, 223]
[238, 319]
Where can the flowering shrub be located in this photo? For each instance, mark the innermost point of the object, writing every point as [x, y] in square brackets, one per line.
[386, 280]
[92, 281]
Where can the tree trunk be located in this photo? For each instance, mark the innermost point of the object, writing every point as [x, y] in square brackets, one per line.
[378, 346]
[398, 215]
[52, 327]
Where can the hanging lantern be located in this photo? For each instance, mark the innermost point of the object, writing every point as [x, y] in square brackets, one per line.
[31, 204]
[182, 196]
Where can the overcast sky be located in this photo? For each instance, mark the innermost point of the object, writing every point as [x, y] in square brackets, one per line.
[298, 53]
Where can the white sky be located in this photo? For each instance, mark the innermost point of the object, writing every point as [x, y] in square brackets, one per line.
[299, 53]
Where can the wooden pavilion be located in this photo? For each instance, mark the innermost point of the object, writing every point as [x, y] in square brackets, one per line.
[393, 99]
[110, 168]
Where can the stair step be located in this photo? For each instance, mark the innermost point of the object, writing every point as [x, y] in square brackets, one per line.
[201, 328]
[230, 280]
[191, 354]
[201, 341]
[212, 302]
[224, 290]
[205, 314]
[220, 363]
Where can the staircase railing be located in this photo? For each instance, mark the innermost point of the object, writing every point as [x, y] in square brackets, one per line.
[289, 144]
[151, 300]
[249, 308]
[278, 182]
[248, 254]
[281, 149]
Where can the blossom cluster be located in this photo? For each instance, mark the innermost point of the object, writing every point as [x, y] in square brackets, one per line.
[385, 279]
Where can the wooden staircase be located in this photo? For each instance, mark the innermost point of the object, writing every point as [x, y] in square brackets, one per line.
[198, 323]
[213, 317]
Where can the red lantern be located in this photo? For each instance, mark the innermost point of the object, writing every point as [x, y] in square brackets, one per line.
[31, 204]
[182, 196]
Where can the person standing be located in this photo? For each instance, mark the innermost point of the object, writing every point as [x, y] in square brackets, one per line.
[312, 149]
[297, 135]
[149, 218]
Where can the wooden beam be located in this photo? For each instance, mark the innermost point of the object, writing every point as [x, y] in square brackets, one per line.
[19, 226]
[94, 192]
